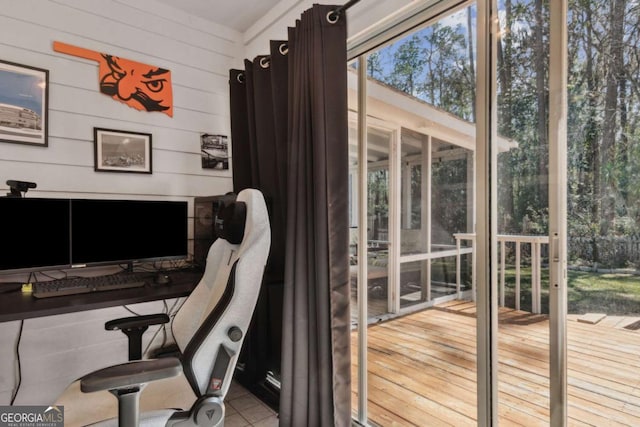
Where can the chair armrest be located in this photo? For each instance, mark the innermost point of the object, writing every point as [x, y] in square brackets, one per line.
[133, 327]
[136, 321]
[130, 374]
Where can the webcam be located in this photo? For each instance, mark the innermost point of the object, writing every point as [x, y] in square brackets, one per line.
[19, 187]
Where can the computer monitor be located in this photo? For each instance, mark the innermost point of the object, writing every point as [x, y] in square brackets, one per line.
[50, 234]
[118, 231]
[35, 234]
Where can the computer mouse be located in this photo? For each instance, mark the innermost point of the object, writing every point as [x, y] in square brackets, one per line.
[162, 279]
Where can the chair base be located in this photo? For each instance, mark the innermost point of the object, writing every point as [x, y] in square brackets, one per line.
[81, 409]
[128, 406]
[206, 412]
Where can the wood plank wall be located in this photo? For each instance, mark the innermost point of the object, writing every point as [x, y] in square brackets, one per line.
[198, 54]
[55, 350]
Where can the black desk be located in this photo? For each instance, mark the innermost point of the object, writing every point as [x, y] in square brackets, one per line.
[17, 306]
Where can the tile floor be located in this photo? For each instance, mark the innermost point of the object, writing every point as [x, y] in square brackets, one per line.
[244, 409]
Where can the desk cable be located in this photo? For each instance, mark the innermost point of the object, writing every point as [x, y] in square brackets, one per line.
[19, 373]
[15, 392]
[171, 312]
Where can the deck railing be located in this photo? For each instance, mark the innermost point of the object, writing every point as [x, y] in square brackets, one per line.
[536, 245]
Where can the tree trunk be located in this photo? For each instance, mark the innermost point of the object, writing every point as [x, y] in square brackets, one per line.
[541, 94]
[614, 68]
[623, 144]
[505, 67]
[472, 69]
[592, 165]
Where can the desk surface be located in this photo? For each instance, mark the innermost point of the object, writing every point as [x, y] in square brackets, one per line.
[17, 306]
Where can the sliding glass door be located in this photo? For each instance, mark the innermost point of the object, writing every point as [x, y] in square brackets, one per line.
[522, 214]
[603, 299]
[413, 156]
[459, 185]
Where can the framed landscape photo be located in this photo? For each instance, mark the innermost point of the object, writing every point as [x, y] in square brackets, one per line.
[122, 151]
[24, 101]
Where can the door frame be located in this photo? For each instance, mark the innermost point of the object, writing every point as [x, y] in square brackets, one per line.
[485, 183]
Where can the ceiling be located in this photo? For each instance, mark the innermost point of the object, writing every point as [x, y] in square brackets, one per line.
[237, 14]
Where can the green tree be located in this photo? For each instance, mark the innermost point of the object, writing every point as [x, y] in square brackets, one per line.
[408, 63]
[374, 66]
[448, 79]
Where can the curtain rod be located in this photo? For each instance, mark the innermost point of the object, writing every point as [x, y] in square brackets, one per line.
[334, 15]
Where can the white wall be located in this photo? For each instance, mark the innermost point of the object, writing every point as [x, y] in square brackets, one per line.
[57, 349]
[198, 54]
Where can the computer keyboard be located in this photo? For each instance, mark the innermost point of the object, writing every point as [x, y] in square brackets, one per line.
[81, 285]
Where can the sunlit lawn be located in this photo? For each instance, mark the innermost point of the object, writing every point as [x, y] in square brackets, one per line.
[611, 293]
[589, 292]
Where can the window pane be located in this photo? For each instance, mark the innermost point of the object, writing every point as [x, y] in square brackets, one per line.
[451, 194]
[422, 88]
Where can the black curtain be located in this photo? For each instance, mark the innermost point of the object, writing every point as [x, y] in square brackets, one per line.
[290, 139]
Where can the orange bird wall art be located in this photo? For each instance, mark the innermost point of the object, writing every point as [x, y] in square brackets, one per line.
[141, 86]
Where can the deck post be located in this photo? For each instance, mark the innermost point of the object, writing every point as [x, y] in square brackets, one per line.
[474, 269]
[535, 283]
[428, 157]
[502, 271]
[458, 275]
[517, 291]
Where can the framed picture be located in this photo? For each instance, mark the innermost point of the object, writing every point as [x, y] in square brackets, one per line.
[214, 150]
[24, 101]
[122, 151]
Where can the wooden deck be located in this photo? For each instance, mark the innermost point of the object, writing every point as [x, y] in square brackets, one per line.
[422, 370]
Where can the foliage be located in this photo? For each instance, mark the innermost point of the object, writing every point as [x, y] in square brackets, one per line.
[449, 200]
[436, 65]
[378, 204]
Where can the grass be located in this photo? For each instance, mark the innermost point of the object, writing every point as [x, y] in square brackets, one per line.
[588, 292]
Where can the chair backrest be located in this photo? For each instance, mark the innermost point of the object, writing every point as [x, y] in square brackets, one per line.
[207, 326]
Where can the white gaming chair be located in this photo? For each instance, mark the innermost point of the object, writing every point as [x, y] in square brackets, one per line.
[208, 329]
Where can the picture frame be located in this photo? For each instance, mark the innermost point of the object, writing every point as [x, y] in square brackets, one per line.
[24, 104]
[214, 151]
[122, 151]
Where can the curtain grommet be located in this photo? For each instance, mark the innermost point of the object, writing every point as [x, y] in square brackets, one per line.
[240, 77]
[283, 49]
[333, 17]
[264, 62]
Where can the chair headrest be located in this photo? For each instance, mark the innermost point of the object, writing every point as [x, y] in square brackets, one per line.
[230, 221]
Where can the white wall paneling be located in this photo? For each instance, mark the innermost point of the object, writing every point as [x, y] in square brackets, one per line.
[197, 56]
[9, 334]
[55, 350]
